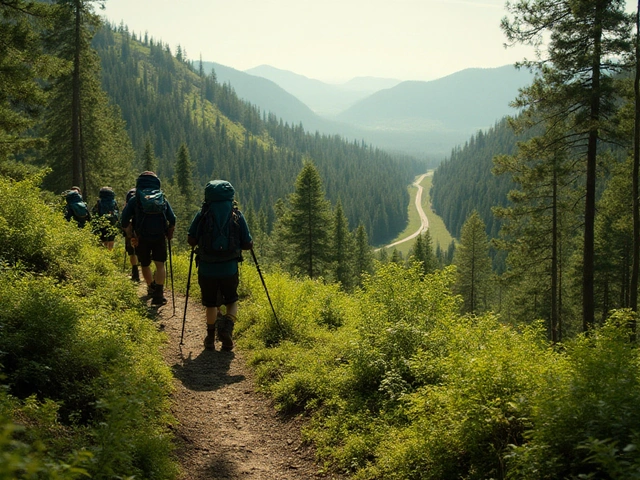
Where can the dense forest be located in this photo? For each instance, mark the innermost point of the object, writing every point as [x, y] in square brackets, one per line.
[167, 101]
[425, 367]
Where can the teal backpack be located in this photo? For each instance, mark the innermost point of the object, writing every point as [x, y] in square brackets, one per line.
[77, 206]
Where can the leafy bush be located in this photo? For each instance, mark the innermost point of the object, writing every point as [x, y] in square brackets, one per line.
[87, 385]
[403, 387]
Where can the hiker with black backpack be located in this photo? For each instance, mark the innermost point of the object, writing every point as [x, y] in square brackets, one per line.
[130, 249]
[75, 207]
[149, 222]
[107, 216]
[220, 232]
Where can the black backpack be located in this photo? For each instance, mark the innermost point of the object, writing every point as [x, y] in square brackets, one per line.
[150, 219]
[216, 243]
[107, 205]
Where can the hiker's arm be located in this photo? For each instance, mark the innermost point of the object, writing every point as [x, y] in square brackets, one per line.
[125, 219]
[246, 242]
[192, 234]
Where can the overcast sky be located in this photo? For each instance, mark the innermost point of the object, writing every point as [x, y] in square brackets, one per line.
[329, 40]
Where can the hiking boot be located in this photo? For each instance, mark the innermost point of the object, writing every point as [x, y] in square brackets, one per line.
[210, 339]
[225, 332]
[151, 289]
[158, 296]
[135, 274]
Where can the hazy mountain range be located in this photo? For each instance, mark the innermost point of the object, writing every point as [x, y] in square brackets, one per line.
[426, 119]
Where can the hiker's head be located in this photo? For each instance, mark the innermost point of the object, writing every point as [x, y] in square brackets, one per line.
[130, 194]
[218, 191]
[148, 180]
[77, 189]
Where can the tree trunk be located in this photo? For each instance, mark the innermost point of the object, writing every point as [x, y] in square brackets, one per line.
[76, 161]
[588, 303]
[633, 300]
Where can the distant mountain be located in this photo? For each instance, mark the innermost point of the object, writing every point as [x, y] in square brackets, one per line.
[270, 97]
[461, 103]
[425, 119]
[323, 98]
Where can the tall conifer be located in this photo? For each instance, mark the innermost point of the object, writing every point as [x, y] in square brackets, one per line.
[586, 39]
[473, 264]
[307, 224]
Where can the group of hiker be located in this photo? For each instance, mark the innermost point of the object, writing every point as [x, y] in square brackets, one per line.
[218, 233]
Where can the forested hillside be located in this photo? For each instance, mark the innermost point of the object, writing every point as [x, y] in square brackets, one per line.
[464, 181]
[164, 100]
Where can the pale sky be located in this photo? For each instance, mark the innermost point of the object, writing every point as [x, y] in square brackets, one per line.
[329, 40]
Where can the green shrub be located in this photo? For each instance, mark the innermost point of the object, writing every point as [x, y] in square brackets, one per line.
[87, 382]
[586, 416]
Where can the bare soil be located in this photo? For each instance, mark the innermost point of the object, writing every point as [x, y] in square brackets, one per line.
[225, 428]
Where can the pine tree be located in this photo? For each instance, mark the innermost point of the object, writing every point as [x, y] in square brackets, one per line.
[342, 247]
[363, 255]
[473, 264]
[422, 252]
[305, 224]
[88, 144]
[149, 162]
[587, 40]
[184, 174]
[23, 66]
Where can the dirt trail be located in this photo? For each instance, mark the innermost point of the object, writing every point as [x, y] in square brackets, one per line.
[226, 430]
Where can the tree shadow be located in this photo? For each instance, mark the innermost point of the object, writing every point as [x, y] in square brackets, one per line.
[208, 371]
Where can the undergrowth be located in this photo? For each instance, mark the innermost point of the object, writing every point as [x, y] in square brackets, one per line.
[396, 384]
[85, 388]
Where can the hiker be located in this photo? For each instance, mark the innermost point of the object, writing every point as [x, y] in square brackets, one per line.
[107, 214]
[130, 249]
[149, 222]
[76, 208]
[220, 232]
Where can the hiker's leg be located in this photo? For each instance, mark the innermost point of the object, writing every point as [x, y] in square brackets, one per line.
[232, 309]
[209, 300]
[229, 289]
[212, 315]
[109, 244]
[146, 273]
[161, 272]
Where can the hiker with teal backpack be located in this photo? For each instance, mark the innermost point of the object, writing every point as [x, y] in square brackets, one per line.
[106, 215]
[130, 249]
[149, 222]
[75, 207]
[220, 233]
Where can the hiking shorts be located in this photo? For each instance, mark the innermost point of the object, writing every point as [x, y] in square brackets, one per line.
[218, 291]
[148, 250]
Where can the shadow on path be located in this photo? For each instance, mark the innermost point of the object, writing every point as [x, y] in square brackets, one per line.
[209, 370]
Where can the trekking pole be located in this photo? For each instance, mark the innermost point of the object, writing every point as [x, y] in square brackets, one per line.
[173, 295]
[265, 289]
[186, 300]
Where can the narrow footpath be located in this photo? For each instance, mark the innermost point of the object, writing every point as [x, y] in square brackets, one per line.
[226, 429]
